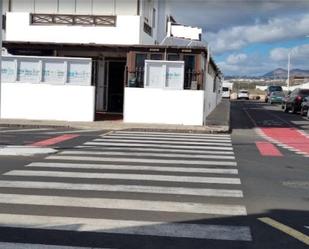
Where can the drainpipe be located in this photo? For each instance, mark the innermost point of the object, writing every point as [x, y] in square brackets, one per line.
[0, 55]
[138, 7]
[10, 6]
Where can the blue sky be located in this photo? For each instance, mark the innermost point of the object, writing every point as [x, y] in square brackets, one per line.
[250, 37]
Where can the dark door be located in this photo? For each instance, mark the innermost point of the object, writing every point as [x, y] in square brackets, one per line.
[116, 86]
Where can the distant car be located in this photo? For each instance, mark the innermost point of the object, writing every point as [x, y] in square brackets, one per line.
[271, 89]
[243, 94]
[292, 102]
[276, 97]
[226, 92]
[304, 107]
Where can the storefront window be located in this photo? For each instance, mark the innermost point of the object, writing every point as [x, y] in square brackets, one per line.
[138, 80]
[156, 57]
[173, 57]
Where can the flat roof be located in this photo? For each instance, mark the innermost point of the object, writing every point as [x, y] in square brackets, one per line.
[198, 47]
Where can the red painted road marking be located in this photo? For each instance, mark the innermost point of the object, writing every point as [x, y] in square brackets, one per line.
[290, 137]
[54, 140]
[268, 149]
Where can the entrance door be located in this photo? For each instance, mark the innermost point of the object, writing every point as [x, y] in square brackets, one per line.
[115, 74]
[101, 86]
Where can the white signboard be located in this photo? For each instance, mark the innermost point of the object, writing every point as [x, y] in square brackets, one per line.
[8, 70]
[79, 72]
[164, 74]
[54, 71]
[49, 70]
[28, 71]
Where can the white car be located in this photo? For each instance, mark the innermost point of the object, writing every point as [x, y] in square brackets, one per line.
[243, 94]
[226, 92]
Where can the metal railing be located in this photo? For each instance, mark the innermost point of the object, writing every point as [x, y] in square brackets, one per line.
[147, 29]
[87, 20]
[136, 78]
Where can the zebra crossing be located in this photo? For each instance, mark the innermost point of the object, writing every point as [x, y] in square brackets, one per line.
[147, 184]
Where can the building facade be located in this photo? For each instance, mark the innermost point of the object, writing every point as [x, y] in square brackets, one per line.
[118, 36]
[100, 22]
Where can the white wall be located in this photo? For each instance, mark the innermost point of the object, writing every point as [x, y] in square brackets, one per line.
[89, 7]
[163, 106]
[47, 102]
[127, 31]
[210, 96]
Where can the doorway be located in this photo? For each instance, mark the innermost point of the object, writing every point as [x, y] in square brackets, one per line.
[109, 88]
[115, 85]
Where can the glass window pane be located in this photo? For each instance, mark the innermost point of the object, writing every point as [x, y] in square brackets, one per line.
[156, 56]
[173, 57]
[189, 70]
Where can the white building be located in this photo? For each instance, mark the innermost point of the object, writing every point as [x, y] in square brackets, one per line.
[118, 36]
[100, 22]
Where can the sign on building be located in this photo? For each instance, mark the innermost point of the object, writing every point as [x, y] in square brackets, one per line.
[48, 70]
[164, 74]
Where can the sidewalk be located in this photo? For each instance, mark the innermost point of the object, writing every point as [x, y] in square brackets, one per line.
[218, 122]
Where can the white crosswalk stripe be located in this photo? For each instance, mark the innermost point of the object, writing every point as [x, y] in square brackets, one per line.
[142, 160]
[165, 146]
[218, 143]
[198, 140]
[134, 168]
[186, 151]
[182, 230]
[169, 178]
[123, 188]
[144, 177]
[162, 206]
[138, 154]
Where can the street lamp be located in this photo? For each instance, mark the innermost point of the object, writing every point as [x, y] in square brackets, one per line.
[289, 64]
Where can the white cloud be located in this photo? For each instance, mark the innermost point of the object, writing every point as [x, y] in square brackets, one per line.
[298, 54]
[279, 54]
[236, 58]
[275, 29]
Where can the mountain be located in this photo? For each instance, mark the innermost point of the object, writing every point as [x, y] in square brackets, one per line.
[280, 73]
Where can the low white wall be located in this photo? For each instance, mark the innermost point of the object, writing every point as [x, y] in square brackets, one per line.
[127, 31]
[162, 106]
[210, 96]
[47, 102]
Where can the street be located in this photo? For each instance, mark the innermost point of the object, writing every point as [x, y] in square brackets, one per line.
[147, 190]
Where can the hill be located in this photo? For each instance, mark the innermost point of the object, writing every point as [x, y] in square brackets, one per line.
[280, 73]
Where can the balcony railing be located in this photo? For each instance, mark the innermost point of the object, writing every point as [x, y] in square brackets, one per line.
[147, 29]
[86, 20]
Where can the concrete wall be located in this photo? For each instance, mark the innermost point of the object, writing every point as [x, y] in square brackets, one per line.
[127, 31]
[163, 106]
[88, 7]
[47, 102]
[210, 96]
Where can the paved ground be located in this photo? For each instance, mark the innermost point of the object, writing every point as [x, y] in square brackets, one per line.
[127, 189]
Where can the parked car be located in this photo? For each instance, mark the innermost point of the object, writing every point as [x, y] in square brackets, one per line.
[226, 92]
[271, 89]
[304, 107]
[276, 97]
[243, 94]
[292, 102]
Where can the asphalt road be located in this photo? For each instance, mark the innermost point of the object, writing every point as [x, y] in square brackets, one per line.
[275, 187]
[160, 190]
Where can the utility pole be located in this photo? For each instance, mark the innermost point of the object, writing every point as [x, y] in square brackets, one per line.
[289, 65]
